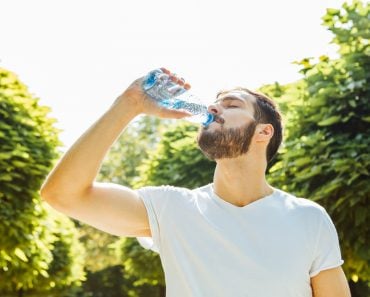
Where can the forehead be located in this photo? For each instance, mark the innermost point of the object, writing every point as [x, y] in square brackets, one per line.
[241, 95]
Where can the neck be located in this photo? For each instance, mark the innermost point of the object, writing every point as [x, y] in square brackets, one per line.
[242, 180]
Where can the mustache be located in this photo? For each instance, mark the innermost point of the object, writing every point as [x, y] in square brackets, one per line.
[219, 119]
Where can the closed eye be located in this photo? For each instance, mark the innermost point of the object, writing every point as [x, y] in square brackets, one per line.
[229, 102]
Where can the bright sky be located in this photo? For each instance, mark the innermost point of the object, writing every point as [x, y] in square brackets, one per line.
[78, 56]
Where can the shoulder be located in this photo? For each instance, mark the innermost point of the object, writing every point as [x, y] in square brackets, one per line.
[304, 214]
[157, 189]
[301, 206]
[166, 191]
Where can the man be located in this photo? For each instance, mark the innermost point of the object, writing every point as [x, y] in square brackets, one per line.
[237, 236]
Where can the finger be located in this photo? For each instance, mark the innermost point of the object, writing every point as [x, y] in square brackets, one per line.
[187, 86]
[165, 70]
[175, 90]
[174, 113]
[174, 78]
[181, 81]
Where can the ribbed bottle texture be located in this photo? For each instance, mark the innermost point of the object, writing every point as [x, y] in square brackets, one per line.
[166, 93]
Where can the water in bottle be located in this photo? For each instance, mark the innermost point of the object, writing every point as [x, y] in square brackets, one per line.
[159, 86]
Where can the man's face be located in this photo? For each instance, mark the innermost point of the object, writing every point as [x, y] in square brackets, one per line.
[230, 135]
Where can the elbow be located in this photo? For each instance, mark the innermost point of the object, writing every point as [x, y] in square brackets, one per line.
[49, 191]
[60, 194]
[46, 194]
[52, 198]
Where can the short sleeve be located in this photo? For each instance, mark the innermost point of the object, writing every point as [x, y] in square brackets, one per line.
[327, 253]
[155, 200]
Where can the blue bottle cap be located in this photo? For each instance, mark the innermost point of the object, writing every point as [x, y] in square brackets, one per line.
[210, 119]
[149, 80]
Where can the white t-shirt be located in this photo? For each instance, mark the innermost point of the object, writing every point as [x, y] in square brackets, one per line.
[210, 247]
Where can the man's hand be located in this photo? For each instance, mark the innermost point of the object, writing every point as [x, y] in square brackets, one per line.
[330, 283]
[135, 96]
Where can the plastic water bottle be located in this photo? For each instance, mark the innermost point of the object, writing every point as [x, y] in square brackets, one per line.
[158, 85]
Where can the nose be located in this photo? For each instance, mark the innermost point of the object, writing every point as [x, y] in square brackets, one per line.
[214, 109]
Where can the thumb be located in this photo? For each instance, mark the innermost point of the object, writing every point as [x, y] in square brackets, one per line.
[174, 113]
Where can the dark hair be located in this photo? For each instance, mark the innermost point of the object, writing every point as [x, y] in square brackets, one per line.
[266, 112]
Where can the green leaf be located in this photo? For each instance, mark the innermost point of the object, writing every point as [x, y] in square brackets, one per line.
[44, 273]
[329, 121]
[20, 254]
[332, 11]
[5, 256]
[6, 177]
[361, 214]
[366, 119]
[302, 161]
[352, 103]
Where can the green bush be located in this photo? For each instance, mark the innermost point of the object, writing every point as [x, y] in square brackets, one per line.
[326, 153]
[36, 249]
[177, 160]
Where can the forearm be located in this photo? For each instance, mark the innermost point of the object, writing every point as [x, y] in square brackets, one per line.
[330, 283]
[77, 169]
[75, 172]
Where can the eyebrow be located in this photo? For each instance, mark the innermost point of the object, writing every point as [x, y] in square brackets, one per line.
[230, 98]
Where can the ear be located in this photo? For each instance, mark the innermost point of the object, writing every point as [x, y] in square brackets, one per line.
[264, 132]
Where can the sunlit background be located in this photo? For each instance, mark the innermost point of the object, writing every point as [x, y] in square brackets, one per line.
[78, 56]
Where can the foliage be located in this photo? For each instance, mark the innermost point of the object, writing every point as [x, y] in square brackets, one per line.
[177, 160]
[153, 150]
[67, 266]
[128, 152]
[289, 99]
[32, 243]
[66, 270]
[27, 148]
[108, 281]
[112, 281]
[99, 248]
[142, 265]
[326, 152]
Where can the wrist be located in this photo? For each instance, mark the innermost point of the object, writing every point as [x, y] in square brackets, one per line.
[128, 103]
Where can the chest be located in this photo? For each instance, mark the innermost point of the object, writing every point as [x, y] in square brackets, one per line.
[256, 245]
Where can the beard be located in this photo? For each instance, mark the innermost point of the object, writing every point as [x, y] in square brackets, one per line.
[226, 143]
